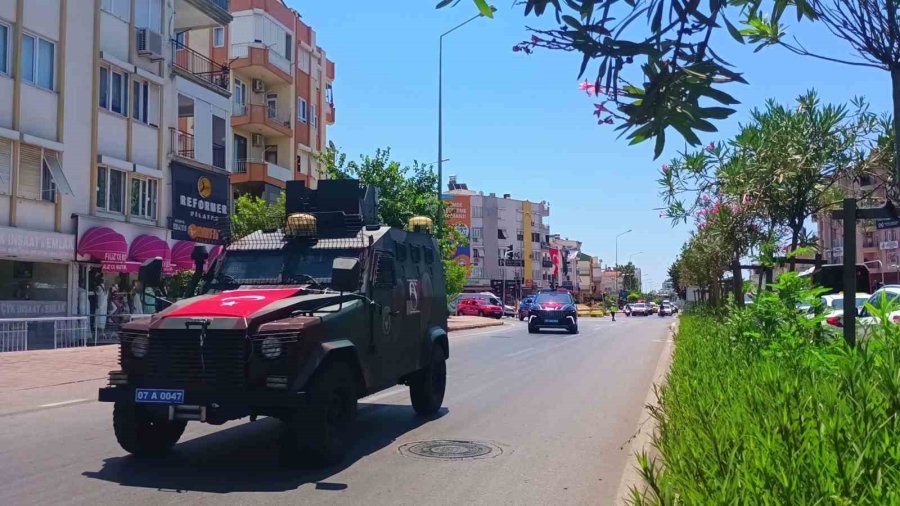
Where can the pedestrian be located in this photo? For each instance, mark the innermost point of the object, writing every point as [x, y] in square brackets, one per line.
[613, 311]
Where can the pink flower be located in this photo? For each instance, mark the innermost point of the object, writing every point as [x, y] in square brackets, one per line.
[599, 109]
[584, 85]
[711, 147]
[704, 198]
[535, 39]
[665, 169]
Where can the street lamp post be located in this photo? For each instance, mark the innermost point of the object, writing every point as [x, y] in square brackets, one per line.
[440, 163]
[617, 262]
[634, 255]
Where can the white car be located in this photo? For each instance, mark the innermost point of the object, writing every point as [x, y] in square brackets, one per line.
[865, 321]
[639, 309]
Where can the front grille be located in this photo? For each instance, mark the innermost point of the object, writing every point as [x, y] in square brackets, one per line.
[175, 359]
[552, 315]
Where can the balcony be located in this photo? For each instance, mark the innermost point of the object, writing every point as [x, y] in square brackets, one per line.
[258, 61]
[194, 14]
[183, 145]
[330, 114]
[547, 263]
[199, 68]
[250, 171]
[263, 119]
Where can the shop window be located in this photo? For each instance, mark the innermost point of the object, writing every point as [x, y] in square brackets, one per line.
[24, 285]
[143, 197]
[110, 189]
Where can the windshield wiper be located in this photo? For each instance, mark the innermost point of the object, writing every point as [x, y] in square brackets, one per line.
[224, 279]
[301, 277]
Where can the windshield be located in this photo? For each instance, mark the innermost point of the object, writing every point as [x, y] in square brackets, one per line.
[266, 267]
[559, 298]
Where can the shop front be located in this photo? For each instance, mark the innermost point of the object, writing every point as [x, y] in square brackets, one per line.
[35, 272]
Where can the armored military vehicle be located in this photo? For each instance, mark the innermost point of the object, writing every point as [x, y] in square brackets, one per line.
[296, 321]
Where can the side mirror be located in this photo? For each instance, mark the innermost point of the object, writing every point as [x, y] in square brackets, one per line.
[150, 272]
[345, 274]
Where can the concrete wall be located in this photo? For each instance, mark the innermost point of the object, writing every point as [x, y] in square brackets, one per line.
[206, 104]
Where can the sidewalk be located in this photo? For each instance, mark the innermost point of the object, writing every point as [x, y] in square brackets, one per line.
[457, 323]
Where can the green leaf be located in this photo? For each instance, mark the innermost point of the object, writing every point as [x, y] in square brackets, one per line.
[735, 33]
[484, 8]
[574, 23]
[715, 112]
[660, 143]
[443, 3]
[718, 95]
[687, 133]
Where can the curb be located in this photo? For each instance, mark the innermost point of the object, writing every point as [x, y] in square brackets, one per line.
[474, 325]
[642, 440]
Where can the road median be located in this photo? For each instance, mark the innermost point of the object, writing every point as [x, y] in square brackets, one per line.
[457, 323]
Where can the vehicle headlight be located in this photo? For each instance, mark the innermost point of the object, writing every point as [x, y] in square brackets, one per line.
[270, 347]
[139, 346]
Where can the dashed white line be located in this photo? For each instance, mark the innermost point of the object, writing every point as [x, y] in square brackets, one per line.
[63, 403]
[526, 350]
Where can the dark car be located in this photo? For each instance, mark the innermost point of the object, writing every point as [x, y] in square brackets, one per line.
[553, 310]
[481, 306]
[524, 307]
[296, 321]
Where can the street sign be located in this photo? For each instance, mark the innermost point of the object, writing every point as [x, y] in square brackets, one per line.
[885, 223]
[511, 262]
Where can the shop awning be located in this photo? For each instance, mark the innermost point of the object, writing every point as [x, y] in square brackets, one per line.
[181, 255]
[103, 244]
[214, 253]
[144, 247]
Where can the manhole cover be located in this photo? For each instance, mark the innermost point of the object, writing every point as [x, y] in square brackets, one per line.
[451, 450]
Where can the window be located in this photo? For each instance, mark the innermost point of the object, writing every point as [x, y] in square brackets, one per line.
[288, 47]
[5, 164]
[143, 198]
[218, 37]
[148, 14]
[114, 91]
[301, 110]
[476, 253]
[520, 235]
[38, 61]
[329, 94]
[145, 102]
[315, 117]
[110, 189]
[476, 211]
[118, 8]
[48, 187]
[4, 48]
[477, 233]
[180, 39]
[35, 180]
[501, 233]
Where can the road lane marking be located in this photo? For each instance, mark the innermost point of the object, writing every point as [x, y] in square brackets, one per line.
[63, 403]
[526, 350]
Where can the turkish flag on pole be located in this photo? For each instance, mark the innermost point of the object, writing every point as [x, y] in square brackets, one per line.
[554, 257]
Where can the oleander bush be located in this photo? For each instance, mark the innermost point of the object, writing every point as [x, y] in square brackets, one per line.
[761, 408]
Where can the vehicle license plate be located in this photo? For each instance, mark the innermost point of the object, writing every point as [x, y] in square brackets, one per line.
[158, 396]
[551, 321]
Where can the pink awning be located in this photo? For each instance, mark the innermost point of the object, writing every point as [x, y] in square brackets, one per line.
[103, 244]
[181, 255]
[214, 253]
[144, 247]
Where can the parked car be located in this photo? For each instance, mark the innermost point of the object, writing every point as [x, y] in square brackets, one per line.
[479, 307]
[640, 309]
[524, 306]
[834, 317]
[665, 309]
[509, 311]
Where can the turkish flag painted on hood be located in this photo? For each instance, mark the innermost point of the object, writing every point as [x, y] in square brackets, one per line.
[234, 303]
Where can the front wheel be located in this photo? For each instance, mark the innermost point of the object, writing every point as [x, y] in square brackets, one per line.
[427, 386]
[480, 313]
[318, 434]
[142, 435]
[573, 329]
[521, 318]
[532, 329]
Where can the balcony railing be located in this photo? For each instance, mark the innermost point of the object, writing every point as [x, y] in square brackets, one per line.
[282, 117]
[182, 143]
[273, 170]
[218, 156]
[238, 109]
[242, 50]
[200, 66]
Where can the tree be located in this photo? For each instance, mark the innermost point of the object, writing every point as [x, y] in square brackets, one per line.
[253, 213]
[872, 29]
[629, 281]
[786, 165]
[678, 71]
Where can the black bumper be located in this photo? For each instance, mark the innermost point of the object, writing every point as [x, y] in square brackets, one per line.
[253, 398]
[563, 321]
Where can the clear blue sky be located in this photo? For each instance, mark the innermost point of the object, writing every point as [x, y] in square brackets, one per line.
[518, 124]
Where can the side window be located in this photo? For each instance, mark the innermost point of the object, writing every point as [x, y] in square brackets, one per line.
[415, 253]
[384, 271]
[400, 251]
[429, 255]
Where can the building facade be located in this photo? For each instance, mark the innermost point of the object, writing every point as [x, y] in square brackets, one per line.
[282, 100]
[113, 147]
[508, 239]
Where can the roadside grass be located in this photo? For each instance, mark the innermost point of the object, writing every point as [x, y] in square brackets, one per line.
[761, 408]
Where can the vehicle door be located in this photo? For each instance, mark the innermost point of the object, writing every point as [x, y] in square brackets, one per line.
[388, 297]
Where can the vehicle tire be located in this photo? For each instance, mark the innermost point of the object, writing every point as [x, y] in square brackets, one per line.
[532, 329]
[318, 433]
[427, 386]
[573, 329]
[480, 313]
[521, 318]
[140, 434]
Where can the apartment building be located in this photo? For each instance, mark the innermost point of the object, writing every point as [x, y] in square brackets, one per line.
[877, 242]
[112, 146]
[282, 100]
[508, 239]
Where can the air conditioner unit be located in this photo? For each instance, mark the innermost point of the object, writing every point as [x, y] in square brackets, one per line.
[259, 86]
[149, 43]
[257, 140]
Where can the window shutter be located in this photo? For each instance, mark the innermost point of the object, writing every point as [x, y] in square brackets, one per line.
[30, 172]
[5, 164]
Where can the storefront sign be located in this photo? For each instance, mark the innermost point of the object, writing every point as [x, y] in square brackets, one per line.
[31, 308]
[199, 201]
[16, 242]
[884, 224]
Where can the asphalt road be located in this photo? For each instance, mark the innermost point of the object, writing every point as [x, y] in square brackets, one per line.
[556, 409]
